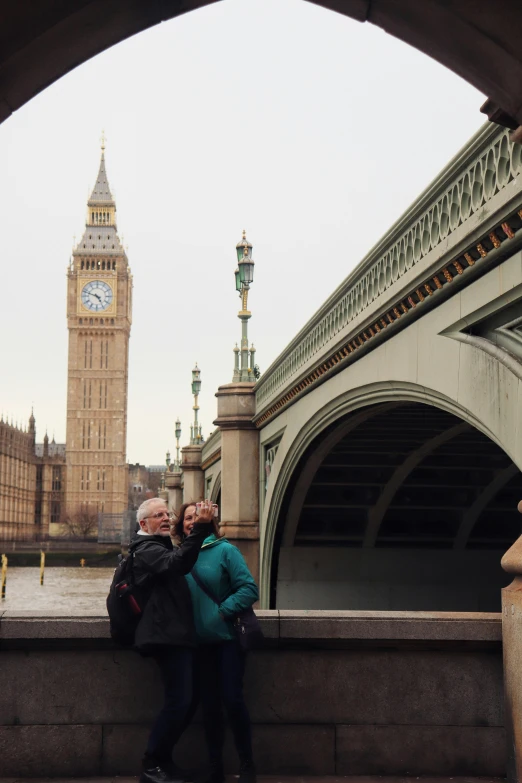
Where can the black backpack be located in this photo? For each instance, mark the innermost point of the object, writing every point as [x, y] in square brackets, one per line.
[125, 603]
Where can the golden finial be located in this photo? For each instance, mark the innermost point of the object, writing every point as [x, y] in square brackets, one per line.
[103, 140]
[244, 234]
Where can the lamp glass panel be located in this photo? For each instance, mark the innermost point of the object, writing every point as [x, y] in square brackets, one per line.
[248, 272]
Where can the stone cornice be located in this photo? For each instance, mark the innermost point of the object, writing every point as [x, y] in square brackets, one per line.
[215, 457]
[235, 422]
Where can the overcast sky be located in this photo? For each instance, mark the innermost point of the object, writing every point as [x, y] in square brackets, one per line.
[311, 131]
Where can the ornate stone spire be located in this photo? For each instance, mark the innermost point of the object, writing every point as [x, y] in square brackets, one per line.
[101, 195]
[100, 236]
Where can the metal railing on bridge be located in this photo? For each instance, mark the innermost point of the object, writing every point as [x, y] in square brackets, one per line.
[434, 227]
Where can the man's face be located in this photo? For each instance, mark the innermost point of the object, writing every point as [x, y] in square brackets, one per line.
[520, 506]
[157, 522]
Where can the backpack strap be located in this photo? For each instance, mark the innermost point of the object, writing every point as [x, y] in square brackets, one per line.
[202, 586]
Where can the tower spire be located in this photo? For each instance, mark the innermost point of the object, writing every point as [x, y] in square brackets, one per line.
[101, 195]
[101, 213]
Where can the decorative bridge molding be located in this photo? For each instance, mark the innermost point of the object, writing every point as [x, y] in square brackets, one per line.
[435, 225]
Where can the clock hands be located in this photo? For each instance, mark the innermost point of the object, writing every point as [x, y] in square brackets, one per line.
[99, 291]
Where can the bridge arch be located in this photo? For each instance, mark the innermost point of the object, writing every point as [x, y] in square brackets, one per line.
[37, 40]
[438, 428]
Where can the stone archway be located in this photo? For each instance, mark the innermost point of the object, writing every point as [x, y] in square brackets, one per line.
[42, 42]
[400, 499]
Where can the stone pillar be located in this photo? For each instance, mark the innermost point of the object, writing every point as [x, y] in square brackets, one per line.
[193, 476]
[239, 470]
[512, 654]
[174, 489]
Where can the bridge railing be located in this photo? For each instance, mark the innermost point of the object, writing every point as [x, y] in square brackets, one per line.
[480, 174]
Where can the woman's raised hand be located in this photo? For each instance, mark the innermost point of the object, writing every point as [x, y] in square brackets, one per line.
[206, 512]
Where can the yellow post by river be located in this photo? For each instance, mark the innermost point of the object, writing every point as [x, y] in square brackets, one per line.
[4, 574]
[42, 566]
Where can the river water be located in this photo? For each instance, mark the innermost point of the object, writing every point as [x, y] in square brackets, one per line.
[74, 590]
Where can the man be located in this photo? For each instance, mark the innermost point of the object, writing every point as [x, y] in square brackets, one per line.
[166, 630]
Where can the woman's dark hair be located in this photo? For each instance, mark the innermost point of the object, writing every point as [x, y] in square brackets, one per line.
[178, 524]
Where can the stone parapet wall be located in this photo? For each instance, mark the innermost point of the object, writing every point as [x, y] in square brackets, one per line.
[347, 693]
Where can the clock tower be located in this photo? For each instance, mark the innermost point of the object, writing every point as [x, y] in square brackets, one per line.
[99, 301]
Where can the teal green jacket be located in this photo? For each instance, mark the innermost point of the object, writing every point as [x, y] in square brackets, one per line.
[222, 568]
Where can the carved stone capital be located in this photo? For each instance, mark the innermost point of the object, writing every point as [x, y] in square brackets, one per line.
[173, 480]
[240, 530]
[236, 406]
[191, 458]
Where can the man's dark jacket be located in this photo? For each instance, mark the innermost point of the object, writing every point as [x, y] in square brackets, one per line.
[159, 572]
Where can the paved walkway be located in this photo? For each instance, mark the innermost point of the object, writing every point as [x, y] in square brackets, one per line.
[278, 779]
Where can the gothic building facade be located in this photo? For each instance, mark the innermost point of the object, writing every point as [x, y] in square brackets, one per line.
[31, 484]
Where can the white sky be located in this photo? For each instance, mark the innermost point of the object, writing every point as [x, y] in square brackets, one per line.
[311, 131]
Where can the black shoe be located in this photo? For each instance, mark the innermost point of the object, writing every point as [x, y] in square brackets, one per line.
[247, 772]
[215, 774]
[157, 775]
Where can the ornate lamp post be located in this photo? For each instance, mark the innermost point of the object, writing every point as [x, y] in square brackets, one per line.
[195, 429]
[244, 368]
[177, 433]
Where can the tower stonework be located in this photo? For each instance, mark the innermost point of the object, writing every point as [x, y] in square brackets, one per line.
[99, 303]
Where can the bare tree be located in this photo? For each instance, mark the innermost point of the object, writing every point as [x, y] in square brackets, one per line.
[82, 523]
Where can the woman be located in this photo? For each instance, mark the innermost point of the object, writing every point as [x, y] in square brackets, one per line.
[224, 573]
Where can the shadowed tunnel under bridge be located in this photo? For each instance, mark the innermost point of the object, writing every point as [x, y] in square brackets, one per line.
[398, 506]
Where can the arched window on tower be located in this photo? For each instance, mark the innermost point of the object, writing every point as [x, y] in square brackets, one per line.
[81, 266]
[103, 264]
[92, 217]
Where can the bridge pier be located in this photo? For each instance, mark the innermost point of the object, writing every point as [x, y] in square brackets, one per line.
[193, 476]
[239, 470]
[512, 654]
[174, 489]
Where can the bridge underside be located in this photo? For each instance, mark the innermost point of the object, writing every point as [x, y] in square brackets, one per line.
[411, 508]
[480, 41]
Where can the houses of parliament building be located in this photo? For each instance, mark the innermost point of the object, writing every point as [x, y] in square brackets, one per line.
[45, 487]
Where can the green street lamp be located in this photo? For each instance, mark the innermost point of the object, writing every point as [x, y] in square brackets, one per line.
[196, 380]
[241, 245]
[177, 433]
[244, 369]
[195, 429]
[246, 270]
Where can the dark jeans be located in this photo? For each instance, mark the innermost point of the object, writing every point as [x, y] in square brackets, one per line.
[176, 669]
[220, 672]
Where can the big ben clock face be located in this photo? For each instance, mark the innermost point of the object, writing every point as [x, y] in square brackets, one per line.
[97, 296]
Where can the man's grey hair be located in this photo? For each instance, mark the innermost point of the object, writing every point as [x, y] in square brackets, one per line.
[144, 509]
